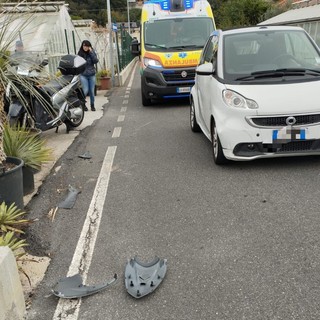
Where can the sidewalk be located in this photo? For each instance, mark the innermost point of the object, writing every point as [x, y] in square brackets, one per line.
[60, 141]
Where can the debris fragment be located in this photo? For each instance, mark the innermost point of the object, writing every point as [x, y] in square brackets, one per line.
[52, 213]
[86, 155]
[70, 200]
[143, 278]
[72, 287]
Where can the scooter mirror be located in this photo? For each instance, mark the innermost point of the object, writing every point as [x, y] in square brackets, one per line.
[44, 63]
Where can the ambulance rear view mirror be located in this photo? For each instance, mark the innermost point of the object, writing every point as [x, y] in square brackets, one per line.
[135, 47]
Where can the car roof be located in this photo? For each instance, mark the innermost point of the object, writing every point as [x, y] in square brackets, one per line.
[256, 29]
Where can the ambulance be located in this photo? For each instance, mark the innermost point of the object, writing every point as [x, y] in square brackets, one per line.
[172, 35]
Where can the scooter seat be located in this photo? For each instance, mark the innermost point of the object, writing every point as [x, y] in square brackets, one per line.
[56, 85]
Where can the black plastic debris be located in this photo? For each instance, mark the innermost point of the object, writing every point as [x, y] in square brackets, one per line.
[143, 278]
[72, 287]
[70, 200]
[86, 155]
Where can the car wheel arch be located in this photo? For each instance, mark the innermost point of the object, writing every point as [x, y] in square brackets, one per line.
[193, 118]
[218, 154]
[212, 121]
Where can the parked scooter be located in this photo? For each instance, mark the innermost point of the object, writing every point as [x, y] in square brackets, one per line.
[43, 107]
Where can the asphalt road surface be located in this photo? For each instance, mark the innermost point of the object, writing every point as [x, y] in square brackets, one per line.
[241, 240]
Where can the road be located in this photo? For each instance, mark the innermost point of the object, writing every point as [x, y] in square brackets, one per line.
[241, 240]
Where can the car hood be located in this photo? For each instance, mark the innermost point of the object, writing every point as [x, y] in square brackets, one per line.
[282, 98]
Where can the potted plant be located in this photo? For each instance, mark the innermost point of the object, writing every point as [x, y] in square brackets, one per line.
[11, 187]
[22, 143]
[104, 79]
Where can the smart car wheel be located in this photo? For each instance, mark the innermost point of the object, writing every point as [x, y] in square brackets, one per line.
[218, 155]
[193, 120]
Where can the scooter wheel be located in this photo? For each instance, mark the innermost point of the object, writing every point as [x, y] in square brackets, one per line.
[75, 122]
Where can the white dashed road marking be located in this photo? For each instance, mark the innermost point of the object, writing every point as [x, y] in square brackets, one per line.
[121, 118]
[116, 132]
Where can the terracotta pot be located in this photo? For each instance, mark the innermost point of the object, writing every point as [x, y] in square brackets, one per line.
[105, 83]
[11, 184]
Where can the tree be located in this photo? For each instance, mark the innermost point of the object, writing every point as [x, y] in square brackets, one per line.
[135, 14]
[277, 9]
[240, 13]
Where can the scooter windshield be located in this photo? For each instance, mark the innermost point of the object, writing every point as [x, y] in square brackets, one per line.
[24, 62]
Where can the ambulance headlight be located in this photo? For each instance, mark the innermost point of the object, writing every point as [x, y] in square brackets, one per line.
[152, 63]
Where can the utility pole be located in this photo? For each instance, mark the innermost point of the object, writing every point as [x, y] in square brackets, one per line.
[110, 41]
[128, 16]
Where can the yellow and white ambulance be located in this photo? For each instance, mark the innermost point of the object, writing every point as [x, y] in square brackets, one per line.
[172, 35]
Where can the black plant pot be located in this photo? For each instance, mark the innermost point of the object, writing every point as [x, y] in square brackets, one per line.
[11, 184]
[28, 180]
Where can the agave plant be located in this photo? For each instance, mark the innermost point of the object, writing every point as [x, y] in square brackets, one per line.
[22, 143]
[11, 219]
[8, 36]
[9, 239]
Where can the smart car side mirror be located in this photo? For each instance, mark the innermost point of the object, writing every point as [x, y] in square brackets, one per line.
[205, 69]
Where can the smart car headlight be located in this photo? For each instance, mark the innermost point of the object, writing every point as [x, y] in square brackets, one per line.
[151, 63]
[236, 100]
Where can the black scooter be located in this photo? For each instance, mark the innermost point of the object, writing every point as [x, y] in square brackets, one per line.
[43, 107]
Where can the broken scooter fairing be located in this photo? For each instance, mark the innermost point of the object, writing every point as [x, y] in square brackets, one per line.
[72, 287]
[143, 278]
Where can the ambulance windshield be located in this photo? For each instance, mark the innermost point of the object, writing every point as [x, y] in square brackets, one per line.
[177, 33]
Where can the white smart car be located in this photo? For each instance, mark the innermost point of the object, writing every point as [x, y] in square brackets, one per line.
[257, 93]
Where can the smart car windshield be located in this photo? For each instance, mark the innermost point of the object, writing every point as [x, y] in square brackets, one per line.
[270, 54]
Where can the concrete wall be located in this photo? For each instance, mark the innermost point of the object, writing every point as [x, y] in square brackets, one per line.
[124, 74]
[12, 304]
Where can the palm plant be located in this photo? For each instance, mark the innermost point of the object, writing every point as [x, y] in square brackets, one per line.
[19, 142]
[12, 24]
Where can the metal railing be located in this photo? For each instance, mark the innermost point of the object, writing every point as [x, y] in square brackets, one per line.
[123, 44]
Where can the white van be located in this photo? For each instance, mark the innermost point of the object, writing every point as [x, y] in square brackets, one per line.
[257, 93]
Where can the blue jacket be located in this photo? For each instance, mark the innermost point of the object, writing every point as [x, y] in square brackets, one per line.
[91, 59]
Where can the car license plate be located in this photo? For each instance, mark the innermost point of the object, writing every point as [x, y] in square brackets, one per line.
[288, 134]
[183, 90]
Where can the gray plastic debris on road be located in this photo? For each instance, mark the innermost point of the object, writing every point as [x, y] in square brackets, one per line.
[86, 155]
[70, 200]
[72, 287]
[143, 278]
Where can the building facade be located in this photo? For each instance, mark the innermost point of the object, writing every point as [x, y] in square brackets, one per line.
[305, 14]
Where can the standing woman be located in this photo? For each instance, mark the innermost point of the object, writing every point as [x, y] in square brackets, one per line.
[88, 77]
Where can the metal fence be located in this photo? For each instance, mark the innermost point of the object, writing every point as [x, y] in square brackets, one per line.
[123, 44]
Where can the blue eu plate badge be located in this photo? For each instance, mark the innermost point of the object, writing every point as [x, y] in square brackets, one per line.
[288, 134]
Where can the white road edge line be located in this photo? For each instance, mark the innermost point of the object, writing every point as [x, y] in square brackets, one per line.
[69, 308]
